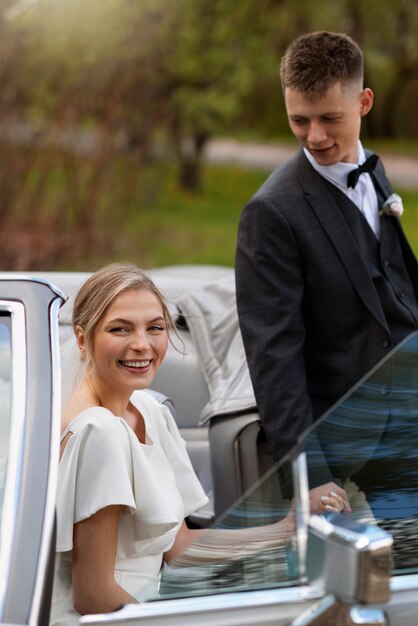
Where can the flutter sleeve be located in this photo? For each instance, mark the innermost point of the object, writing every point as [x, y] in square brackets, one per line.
[98, 469]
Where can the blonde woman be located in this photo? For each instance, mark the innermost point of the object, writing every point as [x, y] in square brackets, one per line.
[125, 480]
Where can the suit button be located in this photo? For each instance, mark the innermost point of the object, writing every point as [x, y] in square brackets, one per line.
[401, 295]
[385, 343]
[385, 262]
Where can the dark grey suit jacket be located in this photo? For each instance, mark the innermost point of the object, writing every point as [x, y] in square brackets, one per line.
[310, 317]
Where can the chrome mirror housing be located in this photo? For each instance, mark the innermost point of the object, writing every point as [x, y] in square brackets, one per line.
[349, 560]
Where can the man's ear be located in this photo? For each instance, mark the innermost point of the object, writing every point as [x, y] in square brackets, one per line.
[366, 101]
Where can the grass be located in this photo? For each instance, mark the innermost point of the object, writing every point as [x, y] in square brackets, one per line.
[183, 227]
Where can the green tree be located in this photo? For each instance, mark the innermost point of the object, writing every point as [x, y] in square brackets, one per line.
[212, 61]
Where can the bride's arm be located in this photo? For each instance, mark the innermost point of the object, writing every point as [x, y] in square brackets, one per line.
[93, 570]
[196, 547]
[199, 546]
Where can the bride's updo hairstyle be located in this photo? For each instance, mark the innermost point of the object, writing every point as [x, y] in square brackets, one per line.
[100, 290]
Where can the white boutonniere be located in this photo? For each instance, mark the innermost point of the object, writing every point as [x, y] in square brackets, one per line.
[392, 206]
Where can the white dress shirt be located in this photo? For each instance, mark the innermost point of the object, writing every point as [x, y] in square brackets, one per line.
[363, 195]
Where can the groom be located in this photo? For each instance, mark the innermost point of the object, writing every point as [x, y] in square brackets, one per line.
[326, 285]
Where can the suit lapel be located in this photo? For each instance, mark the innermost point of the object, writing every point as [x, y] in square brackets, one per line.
[327, 212]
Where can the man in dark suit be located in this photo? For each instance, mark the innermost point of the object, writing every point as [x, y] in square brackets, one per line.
[326, 286]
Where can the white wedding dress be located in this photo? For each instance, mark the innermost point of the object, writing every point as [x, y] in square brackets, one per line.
[105, 464]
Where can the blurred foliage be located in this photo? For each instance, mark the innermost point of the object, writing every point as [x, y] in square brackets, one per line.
[98, 99]
[173, 225]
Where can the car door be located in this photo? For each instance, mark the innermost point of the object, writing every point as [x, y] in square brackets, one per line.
[359, 567]
[29, 443]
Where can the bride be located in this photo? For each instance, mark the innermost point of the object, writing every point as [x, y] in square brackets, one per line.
[125, 481]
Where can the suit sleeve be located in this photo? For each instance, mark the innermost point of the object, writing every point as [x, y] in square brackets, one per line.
[270, 291]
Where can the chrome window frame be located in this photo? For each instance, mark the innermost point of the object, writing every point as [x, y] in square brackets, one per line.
[36, 335]
[49, 518]
[16, 438]
[302, 512]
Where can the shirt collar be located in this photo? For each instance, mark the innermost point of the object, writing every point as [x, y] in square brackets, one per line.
[338, 172]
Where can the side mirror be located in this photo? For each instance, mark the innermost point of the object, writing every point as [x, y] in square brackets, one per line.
[349, 560]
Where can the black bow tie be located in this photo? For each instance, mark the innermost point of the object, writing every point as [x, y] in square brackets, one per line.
[368, 166]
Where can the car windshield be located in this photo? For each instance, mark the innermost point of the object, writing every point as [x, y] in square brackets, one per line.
[5, 394]
[367, 444]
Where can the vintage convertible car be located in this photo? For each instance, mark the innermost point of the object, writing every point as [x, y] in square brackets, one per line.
[358, 568]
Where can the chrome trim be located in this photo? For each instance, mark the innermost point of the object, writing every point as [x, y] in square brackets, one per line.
[49, 516]
[302, 511]
[16, 439]
[315, 613]
[10, 276]
[368, 617]
[285, 595]
[329, 610]
[339, 531]
[406, 582]
[208, 604]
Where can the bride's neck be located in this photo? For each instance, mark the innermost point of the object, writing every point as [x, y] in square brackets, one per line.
[87, 395]
[97, 394]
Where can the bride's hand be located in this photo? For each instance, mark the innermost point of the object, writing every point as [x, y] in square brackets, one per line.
[333, 502]
[328, 497]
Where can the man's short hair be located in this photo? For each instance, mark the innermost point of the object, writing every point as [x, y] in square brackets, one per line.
[315, 62]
